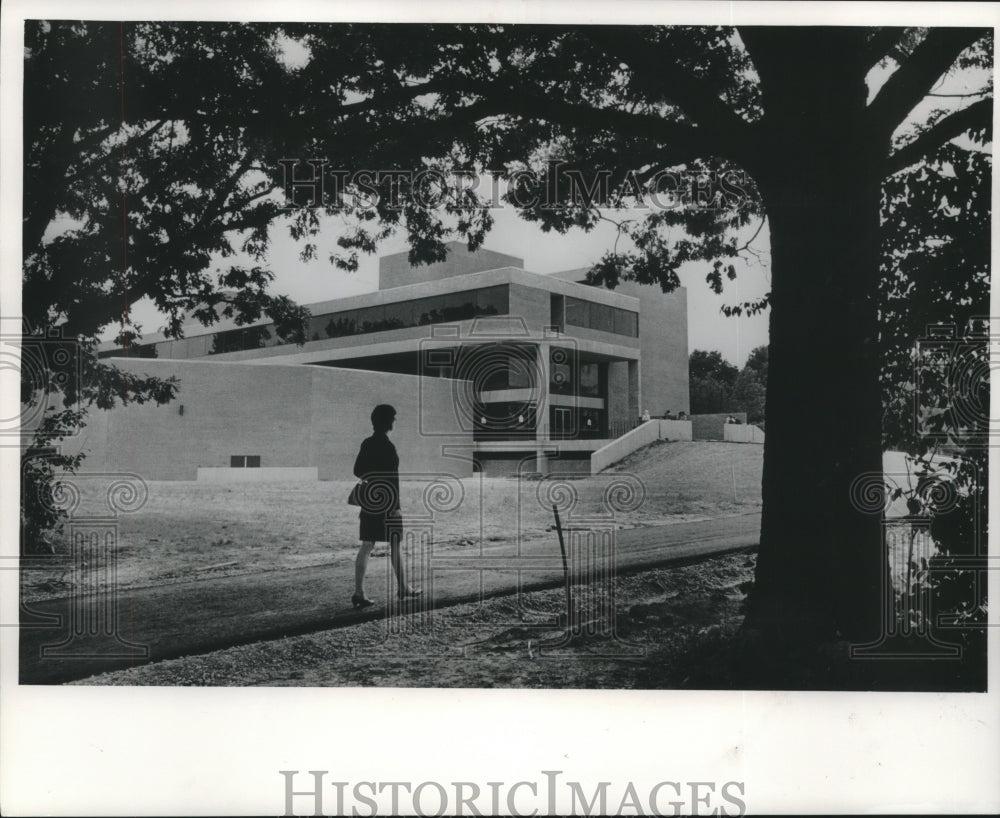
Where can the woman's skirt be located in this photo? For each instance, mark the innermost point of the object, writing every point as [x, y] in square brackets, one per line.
[379, 527]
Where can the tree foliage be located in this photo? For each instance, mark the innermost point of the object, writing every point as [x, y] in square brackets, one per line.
[718, 386]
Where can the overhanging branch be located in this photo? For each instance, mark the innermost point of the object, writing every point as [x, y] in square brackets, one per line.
[721, 128]
[880, 44]
[914, 78]
[979, 114]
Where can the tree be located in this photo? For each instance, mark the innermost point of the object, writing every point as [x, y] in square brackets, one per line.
[709, 396]
[757, 363]
[139, 166]
[712, 378]
[748, 395]
[703, 364]
[731, 126]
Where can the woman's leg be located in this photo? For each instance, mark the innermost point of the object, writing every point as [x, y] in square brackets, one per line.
[361, 566]
[396, 558]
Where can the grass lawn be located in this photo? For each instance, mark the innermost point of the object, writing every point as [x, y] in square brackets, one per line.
[191, 530]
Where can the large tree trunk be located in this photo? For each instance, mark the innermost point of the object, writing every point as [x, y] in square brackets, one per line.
[820, 566]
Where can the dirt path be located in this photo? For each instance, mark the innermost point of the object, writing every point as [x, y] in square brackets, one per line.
[197, 617]
[520, 641]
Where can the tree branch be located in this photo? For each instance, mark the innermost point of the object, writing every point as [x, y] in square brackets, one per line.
[979, 114]
[914, 79]
[719, 124]
[880, 44]
[498, 100]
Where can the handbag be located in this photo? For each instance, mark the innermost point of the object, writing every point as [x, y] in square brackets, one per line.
[354, 498]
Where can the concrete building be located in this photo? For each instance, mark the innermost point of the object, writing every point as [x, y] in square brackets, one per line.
[490, 366]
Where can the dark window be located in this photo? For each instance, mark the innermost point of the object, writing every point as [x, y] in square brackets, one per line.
[379, 318]
[577, 312]
[228, 341]
[580, 313]
[492, 300]
[591, 423]
[562, 422]
[590, 380]
[244, 461]
[255, 337]
[557, 308]
[458, 306]
[399, 315]
[626, 322]
[339, 324]
[371, 319]
[602, 317]
[504, 421]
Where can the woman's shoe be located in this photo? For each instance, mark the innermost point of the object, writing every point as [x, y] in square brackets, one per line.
[410, 592]
[361, 601]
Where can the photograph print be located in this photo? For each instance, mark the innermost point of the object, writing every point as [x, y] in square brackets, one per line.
[504, 355]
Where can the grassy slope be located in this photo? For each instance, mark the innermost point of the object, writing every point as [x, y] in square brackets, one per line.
[190, 530]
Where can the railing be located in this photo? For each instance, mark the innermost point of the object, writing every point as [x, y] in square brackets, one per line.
[617, 428]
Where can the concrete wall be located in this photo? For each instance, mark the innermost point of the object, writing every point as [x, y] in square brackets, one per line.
[620, 408]
[640, 436]
[277, 474]
[663, 341]
[291, 416]
[395, 270]
[532, 305]
[742, 433]
[675, 430]
[712, 427]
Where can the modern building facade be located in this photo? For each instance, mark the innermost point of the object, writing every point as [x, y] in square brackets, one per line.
[491, 367]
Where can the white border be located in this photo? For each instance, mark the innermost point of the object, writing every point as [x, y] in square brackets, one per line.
[116, 751]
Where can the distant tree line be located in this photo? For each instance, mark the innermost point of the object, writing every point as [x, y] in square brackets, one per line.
[718, 386]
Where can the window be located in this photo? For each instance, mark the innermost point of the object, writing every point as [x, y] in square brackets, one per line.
[371, 319]
[591, 423]
[244, 461]
[459, 306]
[399, 315]
[580, 313]
[557, 311]
[590, 380]
[198, 346]
[228, 341]
[340, 323]
[602, 317]
[504, 421]
[626, 322]
[492, 301]
[577, 312]
[255, 337]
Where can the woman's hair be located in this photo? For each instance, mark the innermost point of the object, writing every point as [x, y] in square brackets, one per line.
[382, 417]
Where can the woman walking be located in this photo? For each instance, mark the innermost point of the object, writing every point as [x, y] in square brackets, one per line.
[377, 466]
